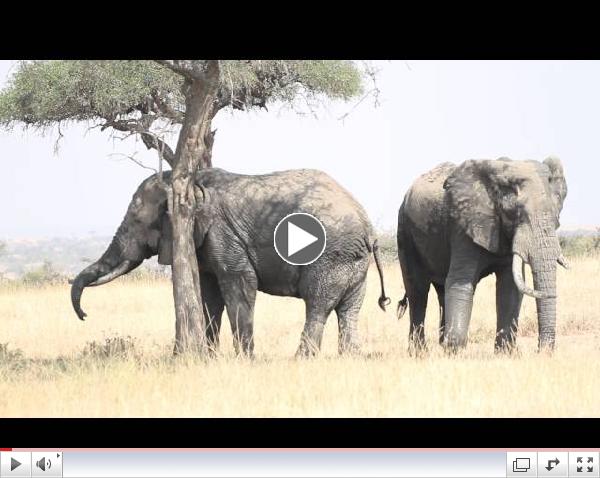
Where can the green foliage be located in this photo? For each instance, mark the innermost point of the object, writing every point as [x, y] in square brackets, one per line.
[580, 245]
[6, 354]
[45, 93]
[2, 248]
[388, 248]
[11, 361]
[149, 274]
[112, 348]
[45, 274]
[284, 79]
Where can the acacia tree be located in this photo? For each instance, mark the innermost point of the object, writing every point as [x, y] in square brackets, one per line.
[144, 98]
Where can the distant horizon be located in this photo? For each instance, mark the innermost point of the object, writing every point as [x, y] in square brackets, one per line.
[589, 228]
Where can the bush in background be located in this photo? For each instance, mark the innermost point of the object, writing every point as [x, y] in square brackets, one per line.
[580, 245]
[388, 248]
[46, 274]
[573, 245]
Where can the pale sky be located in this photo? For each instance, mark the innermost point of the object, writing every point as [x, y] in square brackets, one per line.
[431, 112]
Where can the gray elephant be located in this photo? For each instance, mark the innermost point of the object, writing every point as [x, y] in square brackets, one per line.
[234, 229]
[458, 224]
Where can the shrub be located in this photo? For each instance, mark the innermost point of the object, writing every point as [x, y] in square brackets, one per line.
[112, 347]
[45, 274]
[580, 245]
[150, 273]
[388, 249]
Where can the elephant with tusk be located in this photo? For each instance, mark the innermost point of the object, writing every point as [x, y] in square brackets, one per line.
[460, 223]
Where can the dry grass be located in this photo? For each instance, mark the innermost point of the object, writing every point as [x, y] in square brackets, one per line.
[119, 363]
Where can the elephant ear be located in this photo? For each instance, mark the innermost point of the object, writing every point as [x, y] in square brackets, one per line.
[558, 184]
[201, 225]
[165, 248]
[471, 206]
[205, 214]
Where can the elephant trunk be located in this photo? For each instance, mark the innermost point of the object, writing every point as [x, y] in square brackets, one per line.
[543, 254]
[107, 268]
[86, 277]
[543, 267]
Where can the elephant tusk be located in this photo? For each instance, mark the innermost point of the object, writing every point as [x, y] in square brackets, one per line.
[562, 261]
[517, 270]
[124, 267]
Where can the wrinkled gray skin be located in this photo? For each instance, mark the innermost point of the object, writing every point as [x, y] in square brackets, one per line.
[458, 224]
[234, 228]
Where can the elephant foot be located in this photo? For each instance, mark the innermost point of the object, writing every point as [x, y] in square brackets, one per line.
[508, 347]
[310, 342]
[196, 350]
[306, 350]
[452, 348]
[212, 352]
[418, 349]
[245, 354]
[546, 348]
[455, 341]
[351, 349]
[512, 351]
[547, 340]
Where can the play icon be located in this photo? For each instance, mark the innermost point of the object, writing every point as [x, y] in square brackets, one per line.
[299, 239]
[15, 464]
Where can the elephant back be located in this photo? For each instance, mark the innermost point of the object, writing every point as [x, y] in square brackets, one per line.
[424, 201]
[259, 202]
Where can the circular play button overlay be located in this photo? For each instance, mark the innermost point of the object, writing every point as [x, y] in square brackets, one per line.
[299, 239]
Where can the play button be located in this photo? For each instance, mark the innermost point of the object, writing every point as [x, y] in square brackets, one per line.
[15, 463]
[299, 239]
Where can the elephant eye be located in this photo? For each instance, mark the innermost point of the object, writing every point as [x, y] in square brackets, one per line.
[508, 189]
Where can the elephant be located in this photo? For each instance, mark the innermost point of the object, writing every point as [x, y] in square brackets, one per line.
[459, 223]
[233, 234]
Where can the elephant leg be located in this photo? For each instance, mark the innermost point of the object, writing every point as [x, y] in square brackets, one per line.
[239, 293]
[416, 283]
[312, 335]
[213, 307]
[508, 306]
[322, 288]
[465, 267]
[439, 288]
[347, 313]
[417, 300]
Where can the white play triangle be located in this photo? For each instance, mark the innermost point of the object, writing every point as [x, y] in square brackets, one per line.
[298, 239]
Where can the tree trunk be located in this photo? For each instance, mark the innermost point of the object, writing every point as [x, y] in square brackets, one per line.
[194, 149]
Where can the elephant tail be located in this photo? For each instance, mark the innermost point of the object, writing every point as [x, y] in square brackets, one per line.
[383, 299]
[402, 306]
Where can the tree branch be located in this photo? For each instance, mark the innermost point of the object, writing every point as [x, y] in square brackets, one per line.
[167, 110]
[371, 72]
[190, 69]
[151, 141]
[135, 160]
[56, 144]
[164, 150]
[174, 65]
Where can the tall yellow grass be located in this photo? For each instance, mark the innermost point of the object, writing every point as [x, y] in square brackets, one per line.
[58, 373]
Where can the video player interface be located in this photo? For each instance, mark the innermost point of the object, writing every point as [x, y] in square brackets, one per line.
[298, 463]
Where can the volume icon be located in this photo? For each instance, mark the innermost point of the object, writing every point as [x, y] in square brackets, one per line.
[43, 463]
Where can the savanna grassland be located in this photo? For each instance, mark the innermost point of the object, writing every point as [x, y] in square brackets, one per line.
[119, 362]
